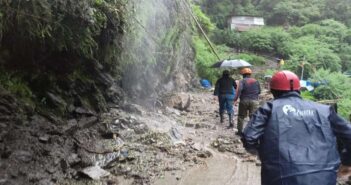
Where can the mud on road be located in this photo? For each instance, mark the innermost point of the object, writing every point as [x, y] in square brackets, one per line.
[129, 145]
[228, 164]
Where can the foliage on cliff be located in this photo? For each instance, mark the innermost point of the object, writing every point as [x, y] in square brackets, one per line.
[46, 44]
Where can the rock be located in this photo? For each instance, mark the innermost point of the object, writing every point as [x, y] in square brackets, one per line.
[105, 78]
[3, 125]
[197, 147]
[73, 159]
[179, 101]
[2, 135]
[114, 93]
[51, 170]
[44, 139]
[176, 134]
[83, 111]
[173, 111]
[105, 160]
[36, 176]
[95, 172]
[70, 127]
[64, 165]
[133, 108]
[141, 129]
[8, 104]
[45, 182]
[86, 122]
[189, 125]
[22, 155]
[181, 80]
[221, 148]
[3, 181]
[5, 152]
[204, 154]
[56, 100]
[202, 125]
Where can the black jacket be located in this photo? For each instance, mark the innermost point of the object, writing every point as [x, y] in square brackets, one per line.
[296, 141]
[225, 85]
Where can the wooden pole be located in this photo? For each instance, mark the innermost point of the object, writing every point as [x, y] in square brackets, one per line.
[200, 27]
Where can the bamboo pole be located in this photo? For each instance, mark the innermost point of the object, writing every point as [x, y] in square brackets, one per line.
[200, 27]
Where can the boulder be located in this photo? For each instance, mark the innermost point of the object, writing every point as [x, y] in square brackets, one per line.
[95, 172]
[133, 108]
[180, 101]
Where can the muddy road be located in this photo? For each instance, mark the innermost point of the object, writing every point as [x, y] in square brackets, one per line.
[229, 163]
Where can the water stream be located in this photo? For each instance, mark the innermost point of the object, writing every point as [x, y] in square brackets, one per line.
[158, 50]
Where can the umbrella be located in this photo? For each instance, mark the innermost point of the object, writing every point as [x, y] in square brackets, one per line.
[237, 63]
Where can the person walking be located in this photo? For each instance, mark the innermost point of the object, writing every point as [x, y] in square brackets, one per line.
[296, 139]
[225, 89]
[248, 92]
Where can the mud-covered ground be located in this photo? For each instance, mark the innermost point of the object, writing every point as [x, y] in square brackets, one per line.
[128, 145]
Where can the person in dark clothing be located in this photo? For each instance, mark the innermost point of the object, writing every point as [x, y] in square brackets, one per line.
[296, 138]
[248, 92]
[225, 90]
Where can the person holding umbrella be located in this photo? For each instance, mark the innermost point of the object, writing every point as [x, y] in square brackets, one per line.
[225, 89]
[248, 92]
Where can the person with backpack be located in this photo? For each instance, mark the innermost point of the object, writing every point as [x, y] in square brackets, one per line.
[296, 139]
[248, 92]
[225, 89]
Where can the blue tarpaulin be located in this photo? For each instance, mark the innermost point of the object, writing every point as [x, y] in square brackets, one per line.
[205, 83]
[310, 86]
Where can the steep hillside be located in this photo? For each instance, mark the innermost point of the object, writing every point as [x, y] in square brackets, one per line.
[64, 63]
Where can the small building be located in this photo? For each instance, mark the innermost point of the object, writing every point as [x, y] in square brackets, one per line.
[244, 23]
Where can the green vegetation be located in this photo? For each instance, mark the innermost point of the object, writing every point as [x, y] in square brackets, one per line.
[337, 87]
[15, 85]
[58, 42]
[313, 37]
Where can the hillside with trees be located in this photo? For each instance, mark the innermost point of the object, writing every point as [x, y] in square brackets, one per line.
[313, 37]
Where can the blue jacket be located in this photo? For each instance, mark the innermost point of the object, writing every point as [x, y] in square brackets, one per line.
[296, 141]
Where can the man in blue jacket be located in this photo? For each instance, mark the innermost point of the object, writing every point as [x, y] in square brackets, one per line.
[225, 90]
[297, 139]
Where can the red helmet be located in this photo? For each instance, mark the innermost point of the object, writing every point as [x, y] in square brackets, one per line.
[285, 81]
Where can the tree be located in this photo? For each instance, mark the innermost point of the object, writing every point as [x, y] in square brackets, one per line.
[316, 53]
[294, 12]
[333, 87]
[257, 40]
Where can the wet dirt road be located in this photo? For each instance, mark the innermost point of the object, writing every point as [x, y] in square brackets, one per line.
[223, 168]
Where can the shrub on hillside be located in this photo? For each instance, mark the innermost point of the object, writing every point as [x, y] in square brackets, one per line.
[336, 86]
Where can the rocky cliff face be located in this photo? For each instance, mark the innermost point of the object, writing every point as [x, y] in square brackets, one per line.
[49, 109]
[158, 53]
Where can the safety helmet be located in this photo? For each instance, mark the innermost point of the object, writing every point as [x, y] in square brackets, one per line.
[245, 71]
[285, 81]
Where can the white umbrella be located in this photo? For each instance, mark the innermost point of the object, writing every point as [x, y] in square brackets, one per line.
[236, 63]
